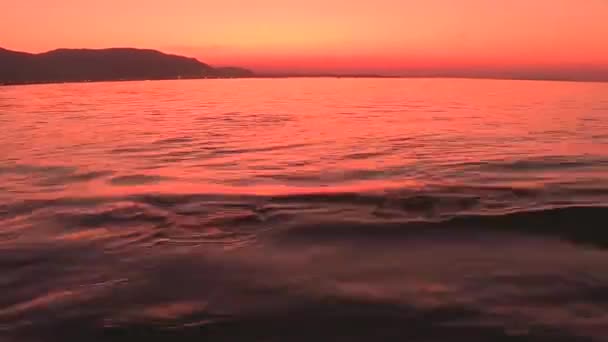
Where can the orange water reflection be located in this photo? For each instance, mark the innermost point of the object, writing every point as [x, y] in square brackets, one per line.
[295, 135]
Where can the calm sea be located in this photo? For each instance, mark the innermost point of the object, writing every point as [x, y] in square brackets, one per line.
[304, 209]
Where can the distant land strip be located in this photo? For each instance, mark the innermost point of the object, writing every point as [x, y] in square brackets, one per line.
[130, 64]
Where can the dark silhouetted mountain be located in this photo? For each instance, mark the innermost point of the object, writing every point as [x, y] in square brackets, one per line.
[66, 65]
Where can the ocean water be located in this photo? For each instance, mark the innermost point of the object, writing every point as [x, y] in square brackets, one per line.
[304, 209]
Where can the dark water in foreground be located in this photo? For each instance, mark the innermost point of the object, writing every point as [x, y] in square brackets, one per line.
[304, 209]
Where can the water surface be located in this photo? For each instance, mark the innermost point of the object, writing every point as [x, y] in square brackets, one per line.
[301, 209]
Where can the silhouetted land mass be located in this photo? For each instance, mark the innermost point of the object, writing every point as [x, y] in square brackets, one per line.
[81, 65]
[122, 64]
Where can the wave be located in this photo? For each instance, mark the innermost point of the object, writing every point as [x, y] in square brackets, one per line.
[541, 163]
[576, 224]
[335, 319]
[378, 286]
[226, 219]
[405, 265]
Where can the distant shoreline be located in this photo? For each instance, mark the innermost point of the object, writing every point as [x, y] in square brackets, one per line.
[131, 64]
[14, 84]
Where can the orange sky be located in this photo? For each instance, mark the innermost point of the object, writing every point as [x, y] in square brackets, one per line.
[325, 35]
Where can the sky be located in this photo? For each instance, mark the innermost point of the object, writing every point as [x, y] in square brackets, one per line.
[379, 36]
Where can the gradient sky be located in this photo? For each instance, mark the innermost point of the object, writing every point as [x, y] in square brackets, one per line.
[326, 35]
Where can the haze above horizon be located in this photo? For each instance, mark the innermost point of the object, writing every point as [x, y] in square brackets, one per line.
[554, 38]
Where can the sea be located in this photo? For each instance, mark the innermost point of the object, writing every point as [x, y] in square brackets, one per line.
[304, 209]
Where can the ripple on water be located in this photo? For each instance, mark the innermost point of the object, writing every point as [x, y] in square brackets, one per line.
[137, 180]
[304, 209]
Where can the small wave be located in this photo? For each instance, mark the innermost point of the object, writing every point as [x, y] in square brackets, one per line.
[227, 151]
[136, 180]
[576, 224]
[171, 141]
[226, 218]
[35, 169]
[364, 155]
[61, 180]
[541, 163]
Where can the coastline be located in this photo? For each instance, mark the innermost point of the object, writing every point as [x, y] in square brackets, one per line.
[262, 76]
